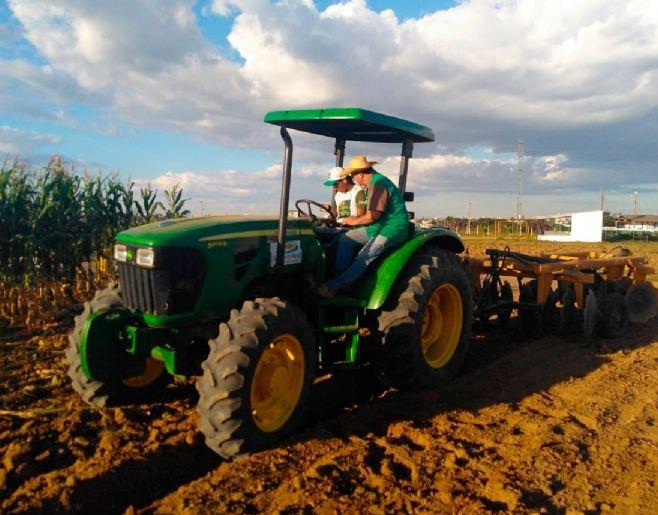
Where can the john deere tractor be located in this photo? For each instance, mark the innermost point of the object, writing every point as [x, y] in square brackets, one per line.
[233, 300]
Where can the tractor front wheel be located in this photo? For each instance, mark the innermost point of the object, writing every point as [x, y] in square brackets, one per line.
[151, 378]
[426, 324]
[257, 377]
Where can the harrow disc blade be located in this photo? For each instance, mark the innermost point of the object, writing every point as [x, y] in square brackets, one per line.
[568, 313]
[590, 314]
[614, 316]
[641, 302]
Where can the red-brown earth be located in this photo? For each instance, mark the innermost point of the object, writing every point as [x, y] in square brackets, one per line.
[556, 424]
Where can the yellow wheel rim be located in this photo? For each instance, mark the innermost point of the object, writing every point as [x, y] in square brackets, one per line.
[154, 368]
[277, 383]
[442, 325]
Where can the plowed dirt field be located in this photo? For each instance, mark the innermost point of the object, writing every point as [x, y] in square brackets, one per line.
[546, 425]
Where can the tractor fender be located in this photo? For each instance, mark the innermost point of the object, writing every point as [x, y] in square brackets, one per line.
[379, 280]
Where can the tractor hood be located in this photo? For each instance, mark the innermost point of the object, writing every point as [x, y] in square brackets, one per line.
[192, 231]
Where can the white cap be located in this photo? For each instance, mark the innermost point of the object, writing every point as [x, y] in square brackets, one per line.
[334, 176]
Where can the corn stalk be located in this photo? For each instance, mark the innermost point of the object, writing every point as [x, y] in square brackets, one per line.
[57, 229]
[175, 203]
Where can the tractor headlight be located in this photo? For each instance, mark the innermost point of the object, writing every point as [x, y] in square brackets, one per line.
[145, 257]
[120, 253]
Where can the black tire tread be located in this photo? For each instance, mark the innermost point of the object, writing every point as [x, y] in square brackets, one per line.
[98, 393]
[95, 393]
[402, 314]
[225, 419]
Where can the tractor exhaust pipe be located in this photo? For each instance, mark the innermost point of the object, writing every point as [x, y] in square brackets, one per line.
[285, 196]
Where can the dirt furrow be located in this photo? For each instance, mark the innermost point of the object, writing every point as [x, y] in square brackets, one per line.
[545, 424]
[539, 429]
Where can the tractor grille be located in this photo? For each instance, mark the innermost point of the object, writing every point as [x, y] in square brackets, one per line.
[171, 287]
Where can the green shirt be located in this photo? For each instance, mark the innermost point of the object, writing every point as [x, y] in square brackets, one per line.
[385, 197]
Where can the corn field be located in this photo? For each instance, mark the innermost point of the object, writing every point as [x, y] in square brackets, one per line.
[56, 235]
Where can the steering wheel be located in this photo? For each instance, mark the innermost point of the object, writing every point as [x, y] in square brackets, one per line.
[310, 215]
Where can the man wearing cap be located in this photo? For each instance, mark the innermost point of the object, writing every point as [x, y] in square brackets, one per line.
[384, 224]
[349, 199]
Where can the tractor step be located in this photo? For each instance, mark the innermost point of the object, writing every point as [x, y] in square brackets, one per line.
[344, 302]
[342, 365]
[333, 329]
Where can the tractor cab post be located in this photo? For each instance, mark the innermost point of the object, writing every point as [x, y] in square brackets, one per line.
[407, 150]
[339, 151]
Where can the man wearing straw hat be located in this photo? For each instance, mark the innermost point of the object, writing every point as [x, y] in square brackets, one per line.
[384, 224]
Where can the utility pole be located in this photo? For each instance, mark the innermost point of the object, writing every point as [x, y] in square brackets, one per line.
[519, 183]
[602, 196]
[200, 207]
[469, 216]
[519, 180]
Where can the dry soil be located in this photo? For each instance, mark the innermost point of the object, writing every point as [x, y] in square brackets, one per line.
[547, 425]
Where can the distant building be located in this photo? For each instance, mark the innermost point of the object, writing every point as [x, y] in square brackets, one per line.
[637, 222]
[585, 227]
[426, 223]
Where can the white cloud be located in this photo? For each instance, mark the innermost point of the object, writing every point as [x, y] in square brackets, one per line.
[575, 79]
[16, 142]
[221, 7]
[539, 62]
[255, 191]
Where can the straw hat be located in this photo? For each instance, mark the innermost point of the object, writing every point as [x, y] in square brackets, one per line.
[334, 176]
[359, 163]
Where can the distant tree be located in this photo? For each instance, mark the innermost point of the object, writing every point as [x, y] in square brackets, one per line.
[452, 223]
[609, 219]
[485, 225]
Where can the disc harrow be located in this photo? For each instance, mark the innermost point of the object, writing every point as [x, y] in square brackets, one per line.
[596, 293]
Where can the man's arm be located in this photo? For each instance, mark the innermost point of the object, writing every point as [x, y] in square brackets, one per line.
[366, 219]
[360, 202]
[377, 201]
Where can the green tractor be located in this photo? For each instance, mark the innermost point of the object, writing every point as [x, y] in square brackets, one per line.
[233, 299]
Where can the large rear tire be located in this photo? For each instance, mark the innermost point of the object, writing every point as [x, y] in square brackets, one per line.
[101, 394]
[257, 377]
[426, 323]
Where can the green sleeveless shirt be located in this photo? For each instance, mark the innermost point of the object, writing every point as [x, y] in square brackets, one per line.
[394, 221]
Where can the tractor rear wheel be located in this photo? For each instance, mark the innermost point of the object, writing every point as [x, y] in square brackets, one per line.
[426, 324]
[257, 377]
[100, 394]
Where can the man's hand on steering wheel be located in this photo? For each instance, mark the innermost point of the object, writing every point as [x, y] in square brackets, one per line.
[331, 221]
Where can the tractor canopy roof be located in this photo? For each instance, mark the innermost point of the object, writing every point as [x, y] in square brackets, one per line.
[351, 124]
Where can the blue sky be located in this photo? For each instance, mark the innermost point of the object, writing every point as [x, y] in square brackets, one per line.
[149, 152]
[174, 92]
